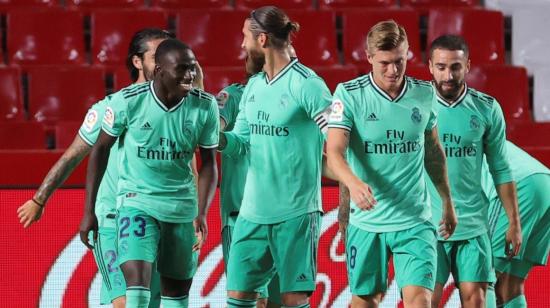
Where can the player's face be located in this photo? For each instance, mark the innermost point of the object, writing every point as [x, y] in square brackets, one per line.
[449, 67]
[388, 66]
[148, 60]
[177, 71]
[255, 58]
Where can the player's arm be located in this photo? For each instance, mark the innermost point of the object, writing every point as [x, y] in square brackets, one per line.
[96, 168]
[343, 209]
[436, 166]
[235, 142]
[508, 197]
[337, 143]
[208, 178]
[32, 210]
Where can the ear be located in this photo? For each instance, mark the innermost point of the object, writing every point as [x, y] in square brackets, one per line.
[156, 70]
[369, 56]
[136, 61]
[262, 40]
[430, 63]
[468, 66]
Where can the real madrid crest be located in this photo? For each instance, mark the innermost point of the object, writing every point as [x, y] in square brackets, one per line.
[416, 117]
[474, 122]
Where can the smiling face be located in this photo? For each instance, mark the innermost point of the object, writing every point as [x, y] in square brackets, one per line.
[176, 71]
[449, 68]
[388, 66]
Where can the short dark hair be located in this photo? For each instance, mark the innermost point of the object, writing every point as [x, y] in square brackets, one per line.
[450, 42]
[138, 47]
[167, 46]
[275, 23]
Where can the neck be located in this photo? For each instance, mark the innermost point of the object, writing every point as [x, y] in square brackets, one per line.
[168, 98]
[275, 61]
[392, 91]
[455, 97]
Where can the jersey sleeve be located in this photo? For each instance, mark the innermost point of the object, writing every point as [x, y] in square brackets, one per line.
[91, 126]
[341, 115]
[228, 105]
[210, 132]
[494, 146]
[115, 119]
[432, 121]
[315, 97]
[238, 138]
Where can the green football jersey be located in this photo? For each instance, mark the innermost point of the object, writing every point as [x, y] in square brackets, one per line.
[522, 165]
[234, 168]
[386, 149]
[470, 127]
[156, 147]
[89, 131]
[277, 124]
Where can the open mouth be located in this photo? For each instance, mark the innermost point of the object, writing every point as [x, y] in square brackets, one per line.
[186, 85]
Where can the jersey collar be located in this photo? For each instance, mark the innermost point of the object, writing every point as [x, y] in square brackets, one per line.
[451, 104]
[281, 73]
[160, 103]
[386, 95]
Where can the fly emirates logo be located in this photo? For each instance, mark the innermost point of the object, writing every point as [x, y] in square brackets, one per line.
[262, 127]
[166, 149]
[395, 144]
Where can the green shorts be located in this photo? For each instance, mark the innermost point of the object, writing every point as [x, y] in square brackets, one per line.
[271, 291]
[534, 211]
[468, 260]
[289, 248]
[142, 237]
[105, 254]
[368, 254]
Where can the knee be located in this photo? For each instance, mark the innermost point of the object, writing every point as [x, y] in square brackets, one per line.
[418, 300]
[242, 295]
[368, 301]
[474, 299]
[294, 298]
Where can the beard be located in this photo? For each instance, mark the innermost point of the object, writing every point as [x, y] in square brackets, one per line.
[254, 62]
[453, 92]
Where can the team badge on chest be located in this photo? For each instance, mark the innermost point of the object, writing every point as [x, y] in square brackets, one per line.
[416, 117]
[474, 122]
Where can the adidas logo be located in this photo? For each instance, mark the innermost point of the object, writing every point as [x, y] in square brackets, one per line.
[146, 126]
[302, 278]
[251, 99]
[372, 117]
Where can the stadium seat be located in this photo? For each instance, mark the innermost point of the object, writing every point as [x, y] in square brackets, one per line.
[18, 4]
[356, 25]
[191, 4]
[529, 134]
[112, 31]
[63, 93]
[508, 84]
[482, 29]
[45, 37]
[65, 133]
[11, 103]
[22, 135]
[283, 4]
[335, 75]
[419, 71]
[121, 78]
[315, 43]
[424, 5]
[103, 4]
[530, 42]
[217, 78]
[214, 36]
[354, 4]
[541, 101]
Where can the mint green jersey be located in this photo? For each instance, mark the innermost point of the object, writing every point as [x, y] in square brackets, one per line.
[386, 149]
[234, 168]
[156, 147]
[277, 125]
[469, 128]
[522, 165]
[106, 195]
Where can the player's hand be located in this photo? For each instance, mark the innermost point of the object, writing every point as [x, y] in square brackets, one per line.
[513, 240]
[198, 81]
[29, 212]
[201, 231]
[361, 194]
[448, 222]
[87, 224]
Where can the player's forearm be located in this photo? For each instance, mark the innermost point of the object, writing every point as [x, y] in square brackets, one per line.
[208, 178]
[508, 197]
[327, 172]
[96, 169]
[336, 162]
[436, 166]
[62, 169]
[344, 205]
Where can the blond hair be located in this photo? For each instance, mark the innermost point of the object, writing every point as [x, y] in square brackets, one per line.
[385, 35]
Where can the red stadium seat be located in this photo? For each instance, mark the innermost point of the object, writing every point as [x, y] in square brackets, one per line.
[17, 4]
[217, 78]
[45, 37]
[508, 84]
[283, 4]
[482, 29]
[357, 24]
[315, 43]
[214, 36]
[335, 75]
[65, 133]
[529, 134]
[355, 4]
[104, 4]
[121, 78]
[64, 93]
[419, 71]
[22, 135]
[424, 5]
[112, 31]
[191, 4]
[11, 103]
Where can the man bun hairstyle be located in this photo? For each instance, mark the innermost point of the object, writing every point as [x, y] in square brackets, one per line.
[138, 47]
[274, 22]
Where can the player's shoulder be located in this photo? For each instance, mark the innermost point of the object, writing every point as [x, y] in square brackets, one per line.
[203, 98]
[419, 82]
[302, 71]
[134, 90]
[481, 97]
[234, 88]
[356, 84]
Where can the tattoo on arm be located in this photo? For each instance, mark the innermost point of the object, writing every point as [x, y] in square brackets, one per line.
[435, 164]
[62, 169]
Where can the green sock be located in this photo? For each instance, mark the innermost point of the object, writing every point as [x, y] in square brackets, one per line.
[240, 303]
[490, 297]
[306, 305]
[175, 302]
[516, 302]
[137, 297]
